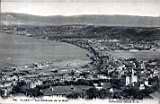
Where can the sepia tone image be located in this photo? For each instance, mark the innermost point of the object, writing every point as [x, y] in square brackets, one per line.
[88, 49]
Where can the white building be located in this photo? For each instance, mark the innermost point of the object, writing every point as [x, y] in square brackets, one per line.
[35, 83]
[134, 77]
[142, 65]
[128, 80]
[147, 83]
[142, 87]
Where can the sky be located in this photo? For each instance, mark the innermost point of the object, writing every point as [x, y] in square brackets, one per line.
[83, 7]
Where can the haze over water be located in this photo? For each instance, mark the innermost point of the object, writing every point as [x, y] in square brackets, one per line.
[22, 50]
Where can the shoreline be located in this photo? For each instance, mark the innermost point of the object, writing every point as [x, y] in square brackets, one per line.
[104, 74]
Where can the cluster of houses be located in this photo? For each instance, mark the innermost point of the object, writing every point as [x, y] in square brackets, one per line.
[131, 72]
[116, 75]
[136, 72]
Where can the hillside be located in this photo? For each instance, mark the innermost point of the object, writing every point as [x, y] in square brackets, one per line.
[107, 20]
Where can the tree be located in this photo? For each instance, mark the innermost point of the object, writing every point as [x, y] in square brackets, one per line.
[73, 95]
[35, 92]
[92, 93]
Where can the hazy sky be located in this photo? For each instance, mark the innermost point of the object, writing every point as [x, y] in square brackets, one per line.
[82, 7]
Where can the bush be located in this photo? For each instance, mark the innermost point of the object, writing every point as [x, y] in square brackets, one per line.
[74, 95]
[92, 93]
[34, 92]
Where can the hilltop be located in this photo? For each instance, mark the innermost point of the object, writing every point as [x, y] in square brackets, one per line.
[106, 20]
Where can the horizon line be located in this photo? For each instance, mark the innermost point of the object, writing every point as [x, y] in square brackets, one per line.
[77, 15]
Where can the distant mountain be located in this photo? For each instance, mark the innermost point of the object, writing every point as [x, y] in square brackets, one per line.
[108, 20]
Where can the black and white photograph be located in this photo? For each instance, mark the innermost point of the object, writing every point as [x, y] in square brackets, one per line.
[80, 51]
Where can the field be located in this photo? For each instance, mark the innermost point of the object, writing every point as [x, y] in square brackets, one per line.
[141, 55]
